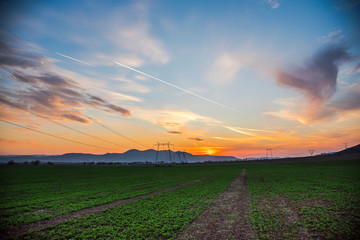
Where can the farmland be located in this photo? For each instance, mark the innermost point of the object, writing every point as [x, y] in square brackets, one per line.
[287, 200]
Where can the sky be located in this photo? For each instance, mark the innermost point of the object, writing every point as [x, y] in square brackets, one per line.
[212, 77]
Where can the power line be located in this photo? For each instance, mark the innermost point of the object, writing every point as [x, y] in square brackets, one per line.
[138, 143]
[51, 94]
[52, 135]
[56, 98]
[57, 123]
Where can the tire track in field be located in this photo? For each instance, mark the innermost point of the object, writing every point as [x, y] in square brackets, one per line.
[37, 226]
[226, 218]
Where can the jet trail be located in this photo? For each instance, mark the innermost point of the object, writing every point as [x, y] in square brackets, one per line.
[162, 81]
[73, 59]
[180, 88]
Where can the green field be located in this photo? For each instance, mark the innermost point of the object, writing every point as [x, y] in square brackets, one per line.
[288, 200]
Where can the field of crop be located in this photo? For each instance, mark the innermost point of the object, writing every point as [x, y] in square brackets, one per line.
[318, 200]
[302, 200]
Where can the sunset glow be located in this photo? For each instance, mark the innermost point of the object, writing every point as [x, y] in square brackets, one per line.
[212, 77]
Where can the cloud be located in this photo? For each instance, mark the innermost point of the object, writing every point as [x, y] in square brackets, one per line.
[273, 3]
[130, 85]
[123, 97]
[197, 139]
[11, 55]
[316, 80]
[49, 92]
[130, 60]
[172, 120]
[345, 106]
[136, 38]
[332, 37]
[118, 109]
[224, 69]
[171, 124]
[123, 34]
[356, 68]
[249, 131]
[16, 142]
[175, 132]
[75, 118]
[350, 100]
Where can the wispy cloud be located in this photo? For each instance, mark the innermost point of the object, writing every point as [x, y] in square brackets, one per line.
[123, 97]
[49, 92]
[14, 56]
[137, 39]
[332, 37]
[172, 120]
[316, 80]
[171, 124]
[224, 69]
[273, 3]
[346, 106]
[175, 132]
[177, 87]
[122, 34]
[131, 85]
[196, 139]
[249, 131]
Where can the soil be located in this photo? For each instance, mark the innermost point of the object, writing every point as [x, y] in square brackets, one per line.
[37, 226]
[226, 218]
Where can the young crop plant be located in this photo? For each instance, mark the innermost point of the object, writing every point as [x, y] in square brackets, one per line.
[158, 217]
[302, 200]
[33, 193]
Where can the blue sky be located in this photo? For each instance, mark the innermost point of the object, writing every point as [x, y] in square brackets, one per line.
[276, 74]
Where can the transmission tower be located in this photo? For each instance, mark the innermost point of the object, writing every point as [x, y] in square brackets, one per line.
[181, 157]
[269, 153]
[345, 145]
[165, 146]
[311, 151]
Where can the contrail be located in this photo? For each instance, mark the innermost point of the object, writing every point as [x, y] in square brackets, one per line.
[162, 81]
[180, 88]
[73, 59]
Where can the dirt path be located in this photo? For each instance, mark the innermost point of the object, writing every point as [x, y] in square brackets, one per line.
[226, 218]
[37, 226]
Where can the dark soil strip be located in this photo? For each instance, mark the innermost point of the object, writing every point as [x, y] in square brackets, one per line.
[37, 226]
[226, 218]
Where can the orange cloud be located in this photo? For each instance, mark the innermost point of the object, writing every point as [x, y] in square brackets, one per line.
[174, 132]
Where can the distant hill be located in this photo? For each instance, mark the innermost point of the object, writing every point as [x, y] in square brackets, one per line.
[149, 156]
[131, 156]
[351, 153]
[351, 150]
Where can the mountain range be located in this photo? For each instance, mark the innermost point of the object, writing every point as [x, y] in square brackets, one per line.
[130, 156]
[149, 156]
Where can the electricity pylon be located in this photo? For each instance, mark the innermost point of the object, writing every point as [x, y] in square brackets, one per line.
[168, 145]
[311, 151]
[269, 152]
